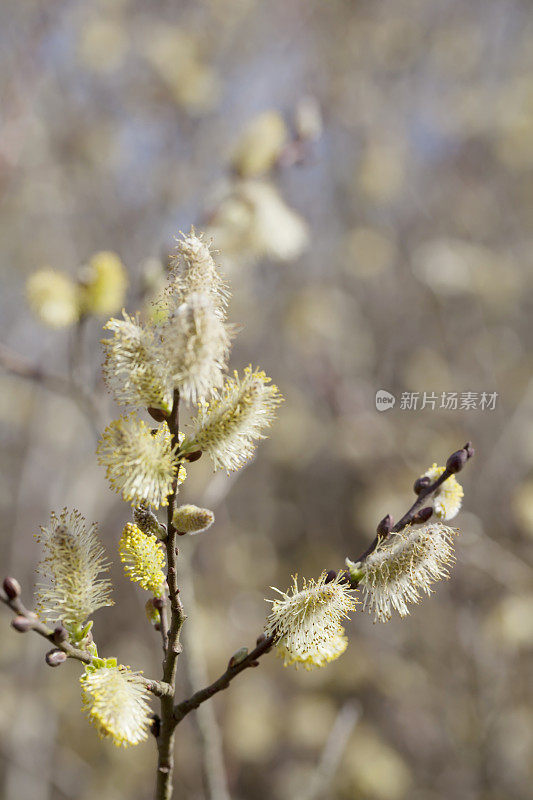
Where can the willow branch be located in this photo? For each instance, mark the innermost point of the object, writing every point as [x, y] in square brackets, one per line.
[418, 512]
[59, 384]
[199, 697]
[32, 623]
[165, 739]
[177, 614]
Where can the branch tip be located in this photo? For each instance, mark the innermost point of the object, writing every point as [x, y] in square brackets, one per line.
[11, 588]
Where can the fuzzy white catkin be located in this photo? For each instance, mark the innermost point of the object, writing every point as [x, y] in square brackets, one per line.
[115, 700]
[229, 426]
[403, 567]
[196, 342]
[135, 369]
[140, 465]
[71, 589]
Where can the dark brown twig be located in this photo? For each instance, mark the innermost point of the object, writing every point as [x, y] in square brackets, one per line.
[454, 464]
[199, 697]
[16, 365]
[165, 739]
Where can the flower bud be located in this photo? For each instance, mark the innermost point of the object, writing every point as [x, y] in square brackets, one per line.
[60, 634]
[385, 526]
[11, 588]
[330, 576]
[237, 657]
[421, 483]
[157, 413]
[193, 456]
[457, 461]
[147, 522]
[54, 658]
[423, 515]
[191, 519]
[21, 624]
[355, 571]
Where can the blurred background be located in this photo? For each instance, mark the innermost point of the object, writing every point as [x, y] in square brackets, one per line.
[365, 170]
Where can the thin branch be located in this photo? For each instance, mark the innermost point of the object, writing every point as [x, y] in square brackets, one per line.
[60, 384]
[165, 739]
[461, 456]
[199, 697]
[454, 464]
[158, 688]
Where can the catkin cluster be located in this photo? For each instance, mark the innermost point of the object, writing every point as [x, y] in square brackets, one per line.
[181, 354]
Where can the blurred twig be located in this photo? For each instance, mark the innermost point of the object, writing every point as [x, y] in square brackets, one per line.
[17, 365]
[211, 740]
[251, 660]
[320, 783]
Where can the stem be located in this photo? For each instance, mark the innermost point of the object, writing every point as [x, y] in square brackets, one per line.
[183, 708]
[16, 365]
[165, 740]
[158, 688]
[408, 516]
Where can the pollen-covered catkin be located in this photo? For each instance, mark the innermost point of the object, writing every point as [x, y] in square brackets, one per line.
[402, 567]
[307, 622]
[229, 426]
[196, 341]
[115, 700]
[140, 465]
[135, 370]
[143, 559]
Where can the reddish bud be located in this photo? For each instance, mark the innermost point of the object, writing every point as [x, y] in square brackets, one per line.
[469, 449]
[60, 634]
[423, 515]
[193, 456]
[11, 588]
[260, 639]
[456, 461]
[330, 576]
[54, 658]
[421, 483]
